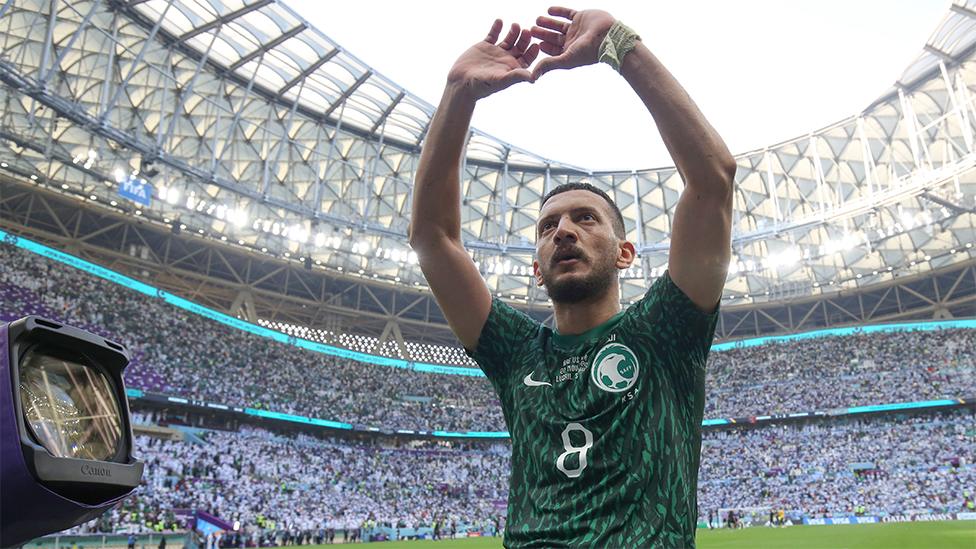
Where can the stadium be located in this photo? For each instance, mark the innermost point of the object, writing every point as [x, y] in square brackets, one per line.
[227, 191]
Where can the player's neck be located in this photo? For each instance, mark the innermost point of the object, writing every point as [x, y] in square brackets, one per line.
[576, 318]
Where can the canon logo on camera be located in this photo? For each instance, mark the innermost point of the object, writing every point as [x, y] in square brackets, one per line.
[95, 471]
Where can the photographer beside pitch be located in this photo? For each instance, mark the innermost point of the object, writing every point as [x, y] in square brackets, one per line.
[604, 412]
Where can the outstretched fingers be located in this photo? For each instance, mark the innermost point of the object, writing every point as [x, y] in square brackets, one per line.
[522, 43]
[552, 24]
[550, 49]
[496, 29]
[511, 37]
[530, 54]
[552, 32]
[559, 11]
[518, 43]
[548, 36]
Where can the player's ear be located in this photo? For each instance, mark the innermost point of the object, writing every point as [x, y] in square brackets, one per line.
[537, 273]
[626, 254]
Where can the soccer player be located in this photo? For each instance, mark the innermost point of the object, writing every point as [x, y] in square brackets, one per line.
[604, 411]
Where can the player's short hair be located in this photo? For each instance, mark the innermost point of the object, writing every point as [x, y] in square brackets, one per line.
[618, 219]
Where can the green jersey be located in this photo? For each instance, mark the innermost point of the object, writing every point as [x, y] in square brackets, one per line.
[605, 425]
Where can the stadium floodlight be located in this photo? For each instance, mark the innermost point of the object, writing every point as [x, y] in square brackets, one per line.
[87, 158]
[787, 258]
[851, 240]
[297, 233]
[237, 217]
[906, 218]
[66, 440]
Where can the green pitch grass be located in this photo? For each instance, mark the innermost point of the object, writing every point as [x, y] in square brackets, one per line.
[902, 535]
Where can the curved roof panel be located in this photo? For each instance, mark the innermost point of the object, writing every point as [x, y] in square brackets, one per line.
[267, 42]
[268, 134]
[949, 43]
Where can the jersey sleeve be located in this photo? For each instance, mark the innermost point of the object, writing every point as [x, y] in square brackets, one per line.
[505, 333]
[677, 329]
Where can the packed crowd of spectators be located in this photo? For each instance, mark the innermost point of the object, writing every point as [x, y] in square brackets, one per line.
[177, 352]
[180, 353]
[270, 482]
[888, 465]
[841, 371]
[274, 482]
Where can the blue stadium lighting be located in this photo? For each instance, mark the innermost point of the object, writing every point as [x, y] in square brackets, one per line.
[314, 346]
[297, 419]
[472, 434]
[872, 328]
[280, 337]
[901, 406]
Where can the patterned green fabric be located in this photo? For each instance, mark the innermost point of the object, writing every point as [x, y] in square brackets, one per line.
[605, 425]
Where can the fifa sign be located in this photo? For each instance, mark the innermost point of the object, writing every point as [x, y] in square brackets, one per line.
[136, 189]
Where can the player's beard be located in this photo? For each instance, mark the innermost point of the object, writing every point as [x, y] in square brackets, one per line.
[577, 289]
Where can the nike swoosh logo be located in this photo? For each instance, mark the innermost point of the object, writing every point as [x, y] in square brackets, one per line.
[533, 383]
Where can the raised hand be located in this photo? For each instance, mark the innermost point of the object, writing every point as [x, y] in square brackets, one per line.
[487, 67]
[573, 40]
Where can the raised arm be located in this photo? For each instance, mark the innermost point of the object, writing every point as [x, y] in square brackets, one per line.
[435, 220]
[701, 231]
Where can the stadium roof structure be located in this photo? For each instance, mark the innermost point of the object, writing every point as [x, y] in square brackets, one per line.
[281, 163]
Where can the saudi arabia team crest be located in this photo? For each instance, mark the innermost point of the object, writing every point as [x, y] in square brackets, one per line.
[615, 368]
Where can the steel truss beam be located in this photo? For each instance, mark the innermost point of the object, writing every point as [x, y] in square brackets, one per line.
[210, 272]
[290, 164]
[305, 73]
[220, 21]
[265, 48]
[214, 274]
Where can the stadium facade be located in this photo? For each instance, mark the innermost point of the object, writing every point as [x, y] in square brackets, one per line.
[231, 154]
